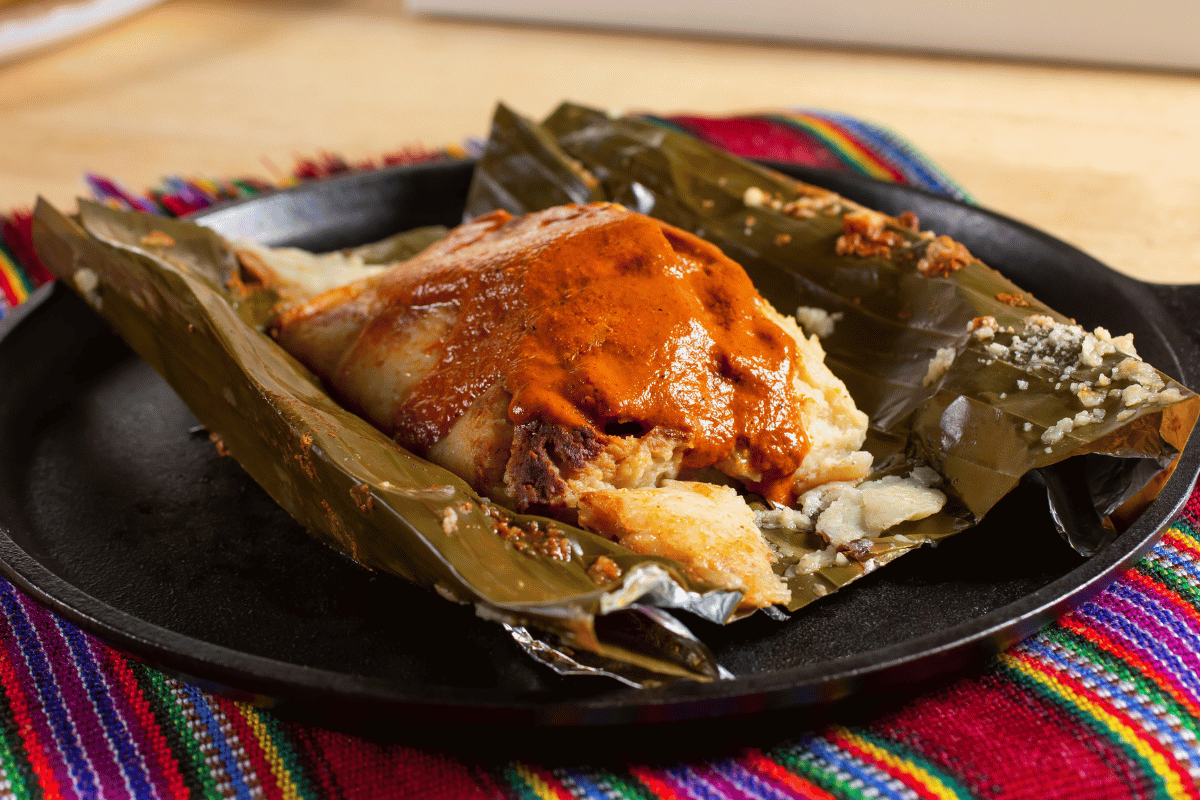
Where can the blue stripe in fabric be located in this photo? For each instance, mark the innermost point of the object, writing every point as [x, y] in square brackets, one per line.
[53, 707]
[220, 741]
[1131, 632]
[1172, 558]
[738, 774]
[129, 759]
[895, 150]
[840, 761]
[1154, 607]
[580, 784]
[189, 192]
[1146, 716]
[1183, 562]
[694, 785]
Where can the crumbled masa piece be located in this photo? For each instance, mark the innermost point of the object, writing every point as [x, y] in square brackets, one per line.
[803, 207]
[603, 570]
[983, 327]
[811, 562]
[846, 515]
[866, 511]
[817, 321]
[755, 197]
[157, 238]
[939, 365]
[88, 283]
[943, 256]
[530, 538]
[1014, 300]
[865, 234]
[361, 495]
[222, 449]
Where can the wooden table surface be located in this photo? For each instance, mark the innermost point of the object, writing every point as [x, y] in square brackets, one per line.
[1104, 158]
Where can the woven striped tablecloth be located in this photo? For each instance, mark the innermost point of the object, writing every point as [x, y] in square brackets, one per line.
[1105, 703]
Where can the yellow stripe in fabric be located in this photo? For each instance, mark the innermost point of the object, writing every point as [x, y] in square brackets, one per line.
[12, 277]
[207, 186]
[536, 783]
[848, 147]
[287, 787]
[1181, 541]
[929, 782]
[1168, 771]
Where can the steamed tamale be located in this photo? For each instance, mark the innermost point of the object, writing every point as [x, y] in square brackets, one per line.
[904, 317]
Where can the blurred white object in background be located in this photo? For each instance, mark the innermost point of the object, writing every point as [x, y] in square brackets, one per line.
[1158, 33]
[28, 26]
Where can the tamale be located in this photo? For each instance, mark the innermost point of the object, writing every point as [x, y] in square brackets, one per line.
[180, 305]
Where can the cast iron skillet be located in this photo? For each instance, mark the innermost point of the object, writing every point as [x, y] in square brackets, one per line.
[121, 517]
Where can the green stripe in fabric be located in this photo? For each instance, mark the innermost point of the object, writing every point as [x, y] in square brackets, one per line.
[245, 188]
[179, 736]
[1171, 580]
[666, 123]
[22, 784]
[512, 777]
[804, 762]
[312, 763]
[285, 747]
[1145, 686]
[915, 759]
[1084, 717]
[1188, 527]
[621, 784]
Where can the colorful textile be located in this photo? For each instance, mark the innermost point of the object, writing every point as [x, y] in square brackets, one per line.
[1104, 703]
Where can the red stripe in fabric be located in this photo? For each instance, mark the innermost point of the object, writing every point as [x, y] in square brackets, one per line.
[18, 235]
[1176, 605]
[1107, 642]
[919, 788]
[358, 768]
[143, 727]
[760, 138]
[32, 725]
[999, 739]
[317, 768]
[10, 293]
[1181, 541]
[662, 789]
[801, 787]
[1102, 703]
[853, 148]
[722, 782]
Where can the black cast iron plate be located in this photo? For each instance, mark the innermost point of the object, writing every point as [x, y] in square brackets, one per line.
[122, 518]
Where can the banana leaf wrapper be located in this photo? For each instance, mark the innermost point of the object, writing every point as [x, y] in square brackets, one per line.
[979, 425]
[172, 290]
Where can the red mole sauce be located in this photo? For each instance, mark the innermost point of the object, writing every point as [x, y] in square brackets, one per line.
[597, 316]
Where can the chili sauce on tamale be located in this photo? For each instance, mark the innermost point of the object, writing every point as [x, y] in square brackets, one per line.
[583, 349]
